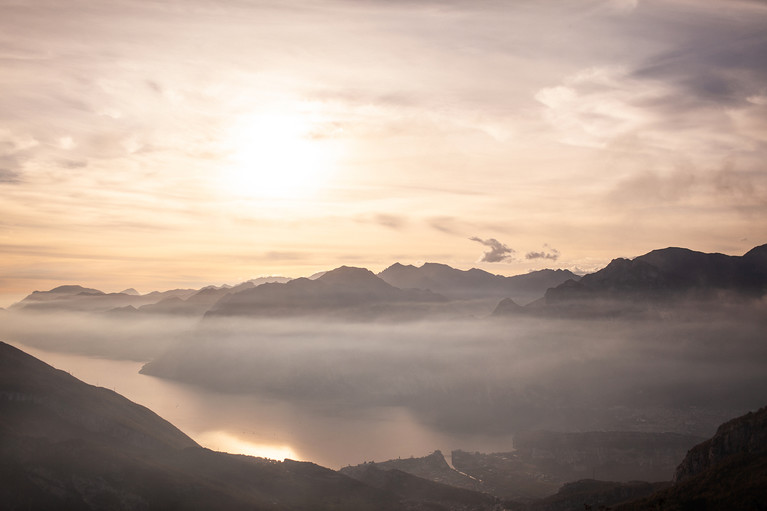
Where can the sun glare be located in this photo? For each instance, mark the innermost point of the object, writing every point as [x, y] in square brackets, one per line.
[276, 156]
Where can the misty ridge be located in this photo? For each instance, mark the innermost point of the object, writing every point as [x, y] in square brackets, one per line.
[669, 341]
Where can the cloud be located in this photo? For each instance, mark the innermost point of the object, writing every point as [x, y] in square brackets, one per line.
[498, 251]
[596, 105]
[390, 221]
[718, 65]
[552, 254]
[8, 176]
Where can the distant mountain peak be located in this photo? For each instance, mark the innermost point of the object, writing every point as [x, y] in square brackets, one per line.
[474, 283]
[350, 275]
[73, 289]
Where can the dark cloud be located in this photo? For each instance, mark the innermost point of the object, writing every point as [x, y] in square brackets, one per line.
[497, 251]
[715, 60]
[546, 253]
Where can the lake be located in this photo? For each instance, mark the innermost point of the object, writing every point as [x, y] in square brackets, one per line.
[257, 426]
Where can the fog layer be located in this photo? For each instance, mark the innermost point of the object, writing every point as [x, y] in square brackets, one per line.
[490, 377]
[478, 378]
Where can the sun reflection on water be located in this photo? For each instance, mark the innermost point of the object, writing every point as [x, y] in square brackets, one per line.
[227, 442]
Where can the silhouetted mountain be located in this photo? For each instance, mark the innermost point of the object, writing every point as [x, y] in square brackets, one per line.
[669, 276]
[189, 302]
[269, 280]
[68, 445]
[474, 283]
[726, 472]
[345, 291]
[195, 305]
[42, 402]
[78, 298]
[507, 307]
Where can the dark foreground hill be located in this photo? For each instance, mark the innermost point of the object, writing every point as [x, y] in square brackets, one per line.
[68, 445]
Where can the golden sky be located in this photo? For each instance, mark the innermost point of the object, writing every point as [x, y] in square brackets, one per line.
[167, 143]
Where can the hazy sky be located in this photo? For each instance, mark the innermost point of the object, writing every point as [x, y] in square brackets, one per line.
[172, 143]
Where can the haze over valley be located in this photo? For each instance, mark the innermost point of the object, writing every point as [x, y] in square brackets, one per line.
[613, 375]
[390, 255]
[289, 361]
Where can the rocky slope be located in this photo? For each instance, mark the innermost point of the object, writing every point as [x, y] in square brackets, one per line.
[726, 472]
[742, 436]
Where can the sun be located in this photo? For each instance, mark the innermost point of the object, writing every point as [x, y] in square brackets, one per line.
[276, 156]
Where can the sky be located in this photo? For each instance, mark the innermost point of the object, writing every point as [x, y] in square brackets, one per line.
[158, 144]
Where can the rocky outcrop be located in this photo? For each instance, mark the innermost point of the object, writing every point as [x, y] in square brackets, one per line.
[726, 472]
[744, 435]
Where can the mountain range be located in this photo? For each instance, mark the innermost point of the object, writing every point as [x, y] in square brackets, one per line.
[661, 277]
[671, 273]
[474, 283]
[351, 293]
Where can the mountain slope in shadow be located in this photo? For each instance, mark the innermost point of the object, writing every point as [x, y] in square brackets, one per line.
[728, 471]
[65, 444]
[672, 273]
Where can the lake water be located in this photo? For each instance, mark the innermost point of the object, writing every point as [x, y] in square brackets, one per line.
[248, 424]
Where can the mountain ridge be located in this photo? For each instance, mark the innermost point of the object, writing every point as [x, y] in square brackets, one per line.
[669, 272]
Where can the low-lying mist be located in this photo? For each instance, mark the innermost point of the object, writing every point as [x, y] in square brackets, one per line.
[467, 377]
[109, 335]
